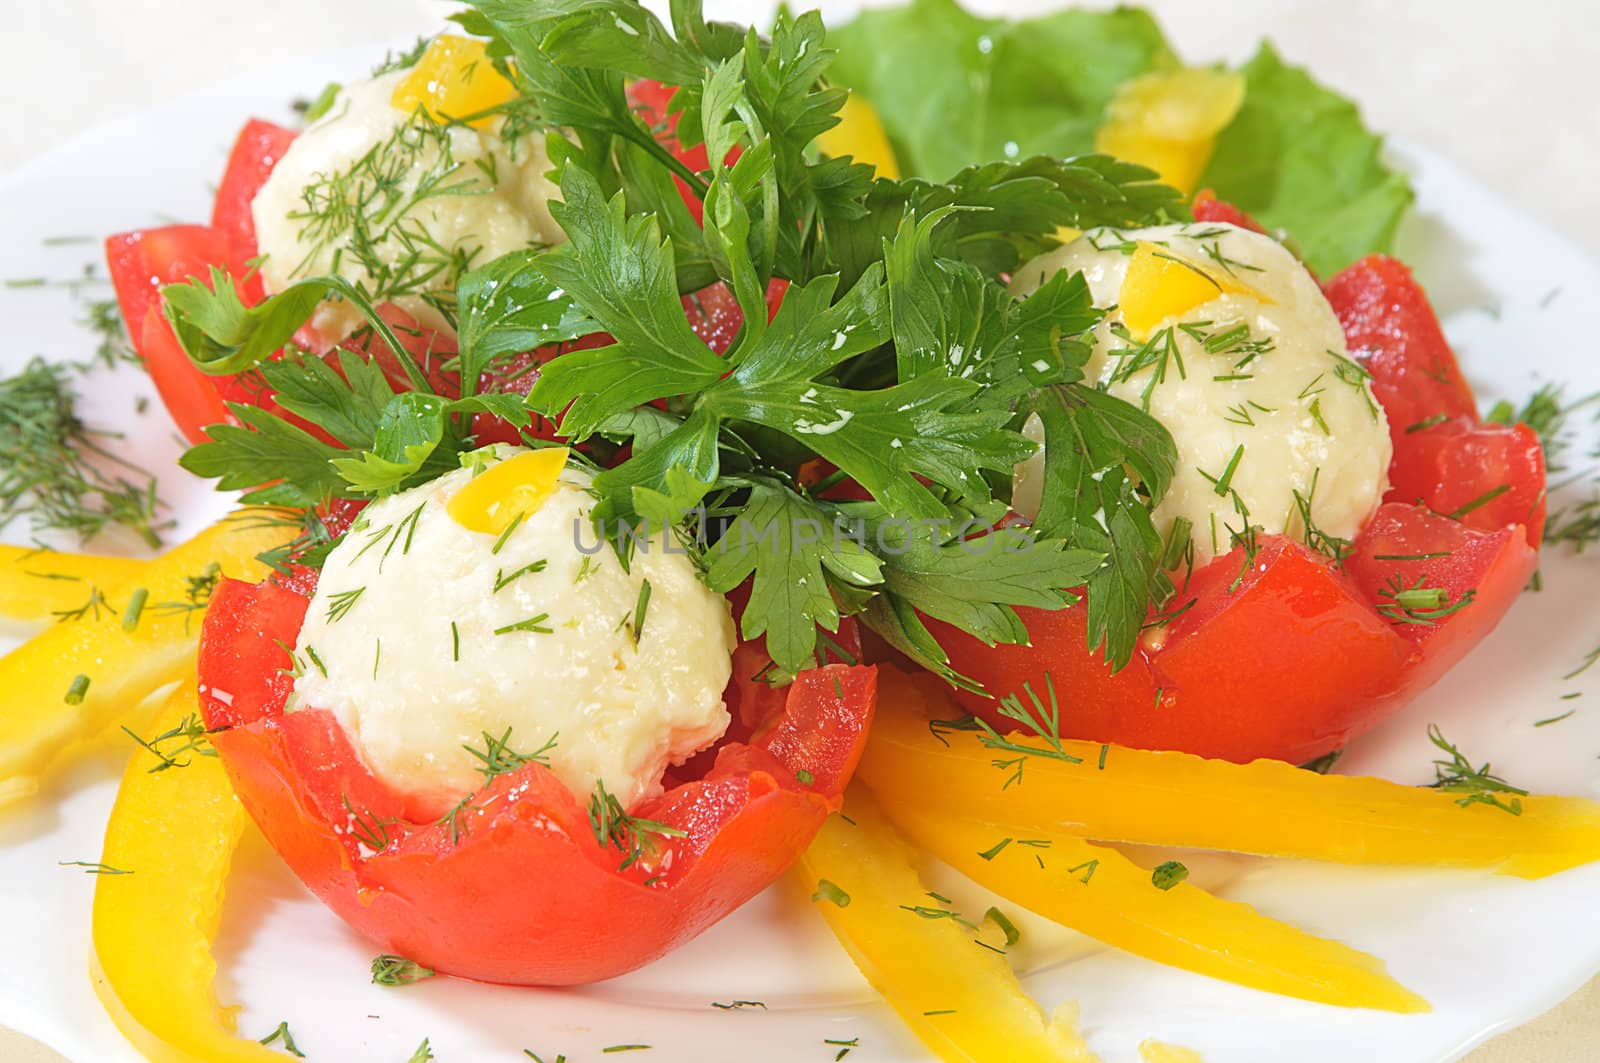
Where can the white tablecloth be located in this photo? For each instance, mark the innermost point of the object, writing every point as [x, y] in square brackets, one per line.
[1508, 91]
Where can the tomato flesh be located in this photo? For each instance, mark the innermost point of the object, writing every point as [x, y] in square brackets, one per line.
[1411, 546]
[1208, 208]
[1391, 329]
[1487, 476]
[1281, 657]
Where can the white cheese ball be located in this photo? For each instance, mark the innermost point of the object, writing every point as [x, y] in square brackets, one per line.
[497, 203]
[411, 690]
[1287, 393]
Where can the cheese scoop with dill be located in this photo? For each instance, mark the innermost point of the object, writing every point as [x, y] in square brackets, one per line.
[1227, 340]
[408, 180]
[463, 612]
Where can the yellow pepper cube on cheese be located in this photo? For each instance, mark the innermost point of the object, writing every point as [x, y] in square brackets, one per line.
[509, 491]
[453, 80]
[1162, 284]
[428, 637]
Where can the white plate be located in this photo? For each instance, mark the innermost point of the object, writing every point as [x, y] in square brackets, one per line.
[1521, 305]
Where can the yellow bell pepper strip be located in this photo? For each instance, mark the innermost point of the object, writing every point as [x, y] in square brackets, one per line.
[40, 586]
[1152, 1051]
[1100, 892]
[79, 676]
[172, 833]
[1169, 121]
[1266, 807]
[860, 134]
[954, 989]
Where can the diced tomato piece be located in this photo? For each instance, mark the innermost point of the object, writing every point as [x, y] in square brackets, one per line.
[1487, 476]
[1391, 329]
[1408, 548]
[256, 151]
[1289, 663]
[1207, 207]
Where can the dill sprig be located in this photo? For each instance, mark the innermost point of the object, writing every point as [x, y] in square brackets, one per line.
[497, 758]
[57, 470]
[282, 1034]
[1479, 785]
[1043, 719]
[633, 837]
[173, 748]
[369, 213]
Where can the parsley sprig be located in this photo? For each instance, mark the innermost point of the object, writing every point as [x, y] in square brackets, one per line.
[897, 357]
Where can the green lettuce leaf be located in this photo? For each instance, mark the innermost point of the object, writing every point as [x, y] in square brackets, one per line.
[954, 90]
[1298, 158]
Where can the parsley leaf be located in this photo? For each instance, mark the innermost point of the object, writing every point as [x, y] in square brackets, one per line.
[507, 307]
[1092, 440]
[971, 576]
[791, 546]
[620, 272]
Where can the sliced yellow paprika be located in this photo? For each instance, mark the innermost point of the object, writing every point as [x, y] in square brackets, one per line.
[954, 989]
[1169, 121]
[1099, 892]
[169, 843]
[78, 677]
[509, 491]
[1152, 1051]
[40, 586]
[860, 134]
[1268, 808]
[454, 79]
[1161, 284]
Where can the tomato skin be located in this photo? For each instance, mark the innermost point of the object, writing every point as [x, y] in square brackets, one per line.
[1289, 664]
[1301, 657]
[142, 262]
[1391, 329]
[190, 396]
[1403, 544]
[256, 151]
[1452, 466]
[650, 99]
[1208, 208]
[524, 894]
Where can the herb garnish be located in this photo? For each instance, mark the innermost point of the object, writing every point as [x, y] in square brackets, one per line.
[392, 970]
[634, 837]
[1167, 875]
[191, 736]
[896, 356]
[1479, 785]
[93, 867]
[497, 758]
[281, 1033]
[58, 471]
